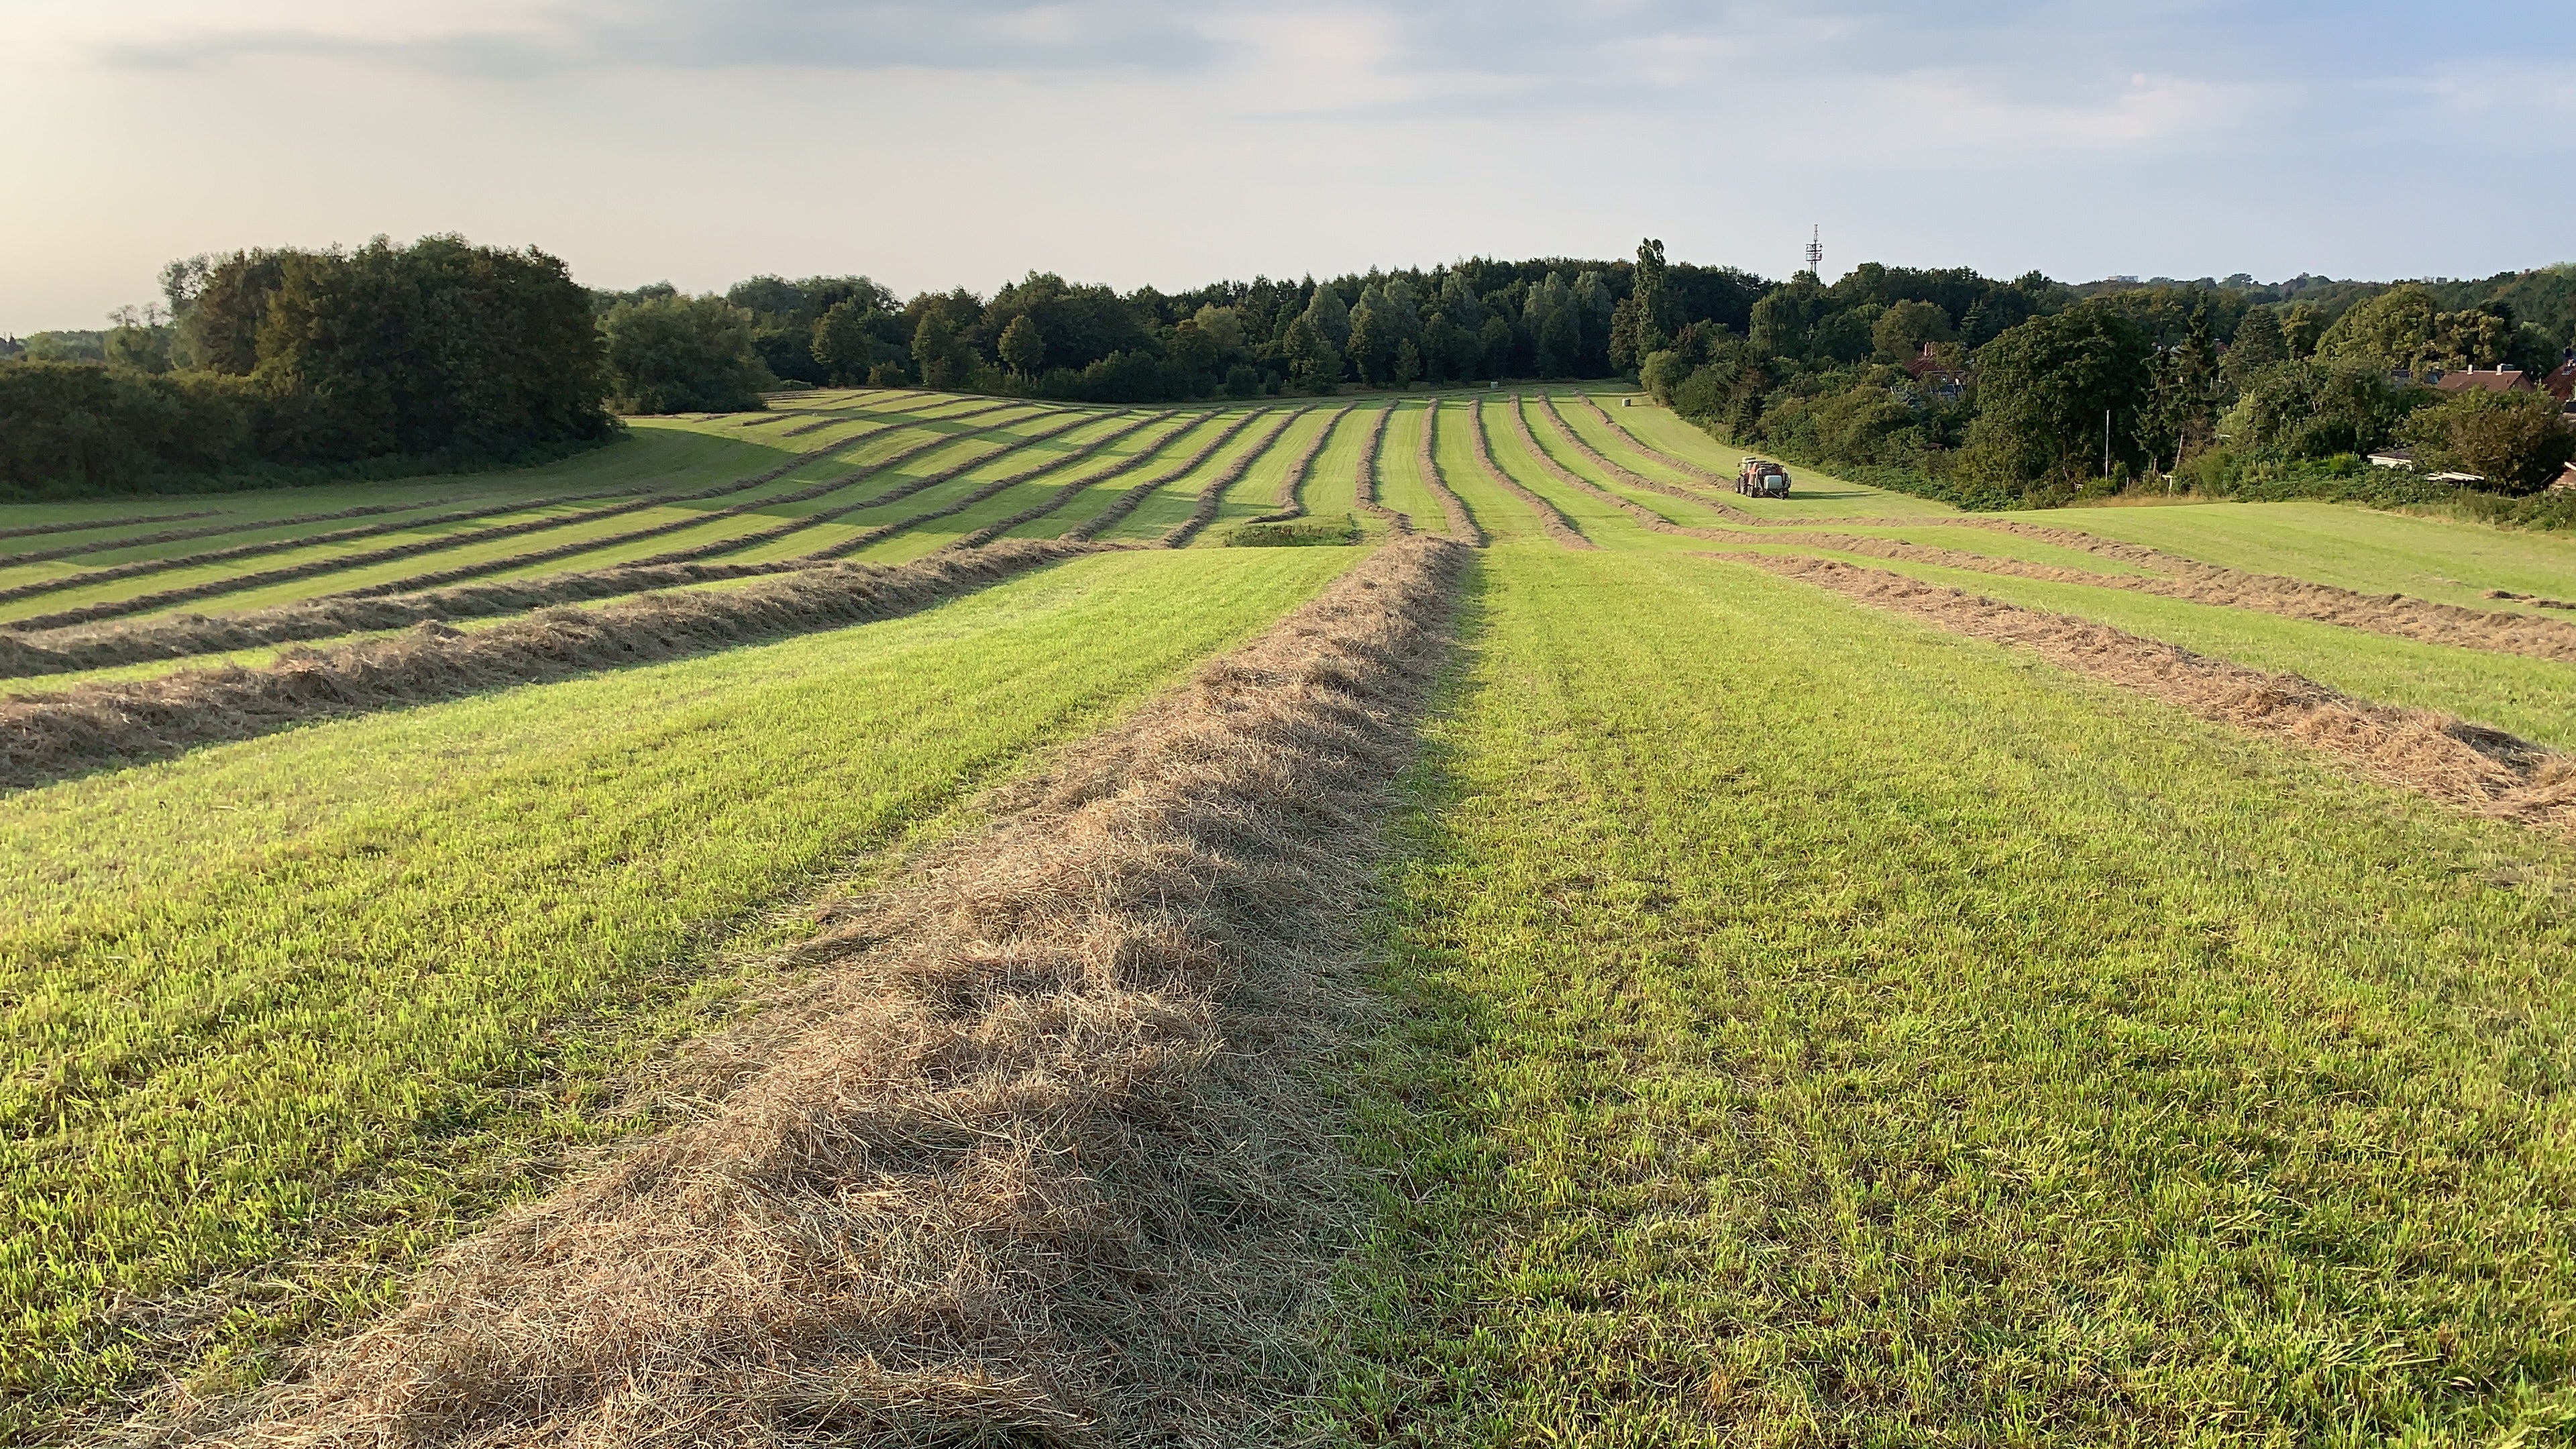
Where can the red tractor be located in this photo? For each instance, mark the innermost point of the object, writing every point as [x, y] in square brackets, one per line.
[1762, 478]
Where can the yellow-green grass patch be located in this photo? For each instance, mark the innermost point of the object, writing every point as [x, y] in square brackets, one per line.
[280, 1017]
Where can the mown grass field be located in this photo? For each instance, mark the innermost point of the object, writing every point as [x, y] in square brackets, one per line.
[1816, 1030]
[281, 1016]
[1793, 1024]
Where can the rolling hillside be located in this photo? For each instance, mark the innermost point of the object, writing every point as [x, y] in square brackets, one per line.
[887, 921]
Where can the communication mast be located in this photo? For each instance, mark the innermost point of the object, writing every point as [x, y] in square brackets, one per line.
[1816, 252]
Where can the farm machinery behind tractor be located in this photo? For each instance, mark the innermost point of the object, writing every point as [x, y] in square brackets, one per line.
[1762, 478]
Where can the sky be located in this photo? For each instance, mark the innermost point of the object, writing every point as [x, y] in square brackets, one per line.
[967, 143]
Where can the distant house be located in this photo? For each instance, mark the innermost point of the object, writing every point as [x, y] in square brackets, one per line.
[2485, 379]
[2565, 482]
[2393, 458]
[1937, 377]
[2562, 383]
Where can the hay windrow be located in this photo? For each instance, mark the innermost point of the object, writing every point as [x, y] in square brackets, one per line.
[1037, 1160]
[2471, 767]
[1140, 494]
[49, 736]
[146, 603]
[1291, 502]
[1211, 499]
[177, 636]
[1365, 495]
[1462, 524]
[83, 525]
[1551, 521]
[237, 523]
[2399, 616]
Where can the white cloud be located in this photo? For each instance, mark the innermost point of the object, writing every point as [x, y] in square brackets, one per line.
[1148, 140]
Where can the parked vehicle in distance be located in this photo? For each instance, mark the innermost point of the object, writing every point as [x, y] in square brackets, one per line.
[1762, 478]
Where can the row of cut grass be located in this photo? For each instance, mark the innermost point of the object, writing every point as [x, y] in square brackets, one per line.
[1813, 1029]
[2533, 698]
[280, 1017]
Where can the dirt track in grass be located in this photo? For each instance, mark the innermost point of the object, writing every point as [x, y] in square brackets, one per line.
[1039, 1157]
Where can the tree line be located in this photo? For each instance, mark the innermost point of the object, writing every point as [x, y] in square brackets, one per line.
[1941, 381]
[2031, 392]
[1045, 337]
[263, 365]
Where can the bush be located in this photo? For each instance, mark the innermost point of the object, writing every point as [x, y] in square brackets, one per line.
[2513, 440]
[83, 426]
[1296, 533]
[439, 354]
[683, 355]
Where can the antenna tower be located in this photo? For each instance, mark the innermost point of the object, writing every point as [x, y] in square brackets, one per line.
[1816, 252]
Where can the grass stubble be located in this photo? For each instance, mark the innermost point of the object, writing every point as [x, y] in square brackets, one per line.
[281, 1018]
[1036, 1158]
[1813, 1030]
[2472, 767]
[48, 736]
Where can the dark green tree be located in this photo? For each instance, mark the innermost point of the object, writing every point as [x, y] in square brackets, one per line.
[2049, 390]
[1023, 347]
[682, 354]
[2514, 440]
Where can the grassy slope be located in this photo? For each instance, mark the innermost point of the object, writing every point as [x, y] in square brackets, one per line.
[1503, 517]
[1400, 484]
[1816, 1030]
[662, 454]
[281, 1016]
[1169, 506]
[1258, 490]
[2534, 698]
[2348, 547]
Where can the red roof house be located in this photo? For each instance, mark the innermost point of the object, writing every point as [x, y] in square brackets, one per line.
[2496, 379]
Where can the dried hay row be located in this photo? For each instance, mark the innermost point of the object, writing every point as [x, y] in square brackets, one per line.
[1550, 521]
[1212, 498]
[629, 502]
[49, 736]
[2399, 616]
[731, 543]
[1702, 497]
[420, 598]
[1462, 524]
[1364, 493]
[239, 524]
[903, 417]
[1714, 481]
[867, 537]
[146, 603]
[2484, 771]
[1291, 502]
[736, 543]
[177, 636]
[1074, 488]
[414, 583]
[1038, 1158]
[32, 530]
[1647, 517]
[2402, 616]
[1128, 502]
[1134, 498]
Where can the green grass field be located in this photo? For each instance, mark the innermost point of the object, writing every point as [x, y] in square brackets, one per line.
[1792, 1024]
[1814, 1030]
[282, 1016]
